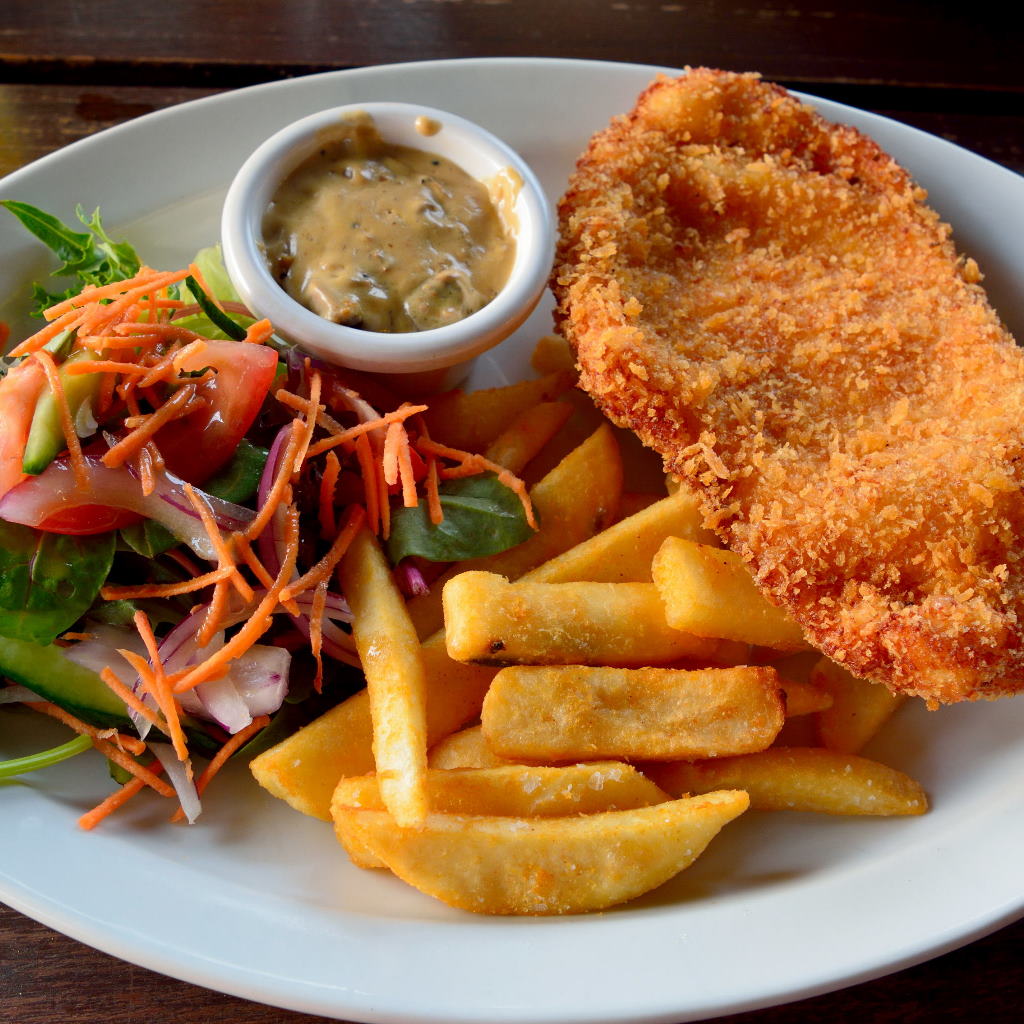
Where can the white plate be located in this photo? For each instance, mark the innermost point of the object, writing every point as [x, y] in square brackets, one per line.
[258, 901]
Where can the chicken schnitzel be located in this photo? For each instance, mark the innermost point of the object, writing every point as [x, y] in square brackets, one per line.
[766, 300]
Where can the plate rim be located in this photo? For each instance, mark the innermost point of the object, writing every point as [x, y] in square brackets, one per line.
[52, 913]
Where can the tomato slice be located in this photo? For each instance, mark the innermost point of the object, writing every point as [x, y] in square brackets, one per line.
[195, 447]
[87, 519]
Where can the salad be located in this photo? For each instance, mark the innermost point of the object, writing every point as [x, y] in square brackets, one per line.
[177, 489]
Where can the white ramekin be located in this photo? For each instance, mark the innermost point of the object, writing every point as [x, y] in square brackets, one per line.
[476, 151]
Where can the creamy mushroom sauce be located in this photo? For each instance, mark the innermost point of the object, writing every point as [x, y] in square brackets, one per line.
[384, 237]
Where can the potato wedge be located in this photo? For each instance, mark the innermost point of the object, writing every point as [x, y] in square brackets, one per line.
[303, 769]
[471, 420]
[801, 779]
[570, 712]
[709, 592]
[395, 679]
[577, 499]
[565, 865]
[490, 621]
[859, 707]
[509, 790]
[623, 553]
[520, 791]
[524, 437]
[551, 354]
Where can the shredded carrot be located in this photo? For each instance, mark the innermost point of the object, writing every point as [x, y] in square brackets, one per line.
[67, 422]
[119, 343]
[328, 484]
[194, 270]
[369, 476]
[105, 399]
[106, 366]
[78, 636]
[159, 331]
[69, 321]
[144, 464]
[258, 623]
[145, 280]
[316, 632]
[259, 332]
[174, 408]
[161, 688]
[405, 471]
[109, 750]
[194, 348]
[131, 700]
[166, 589]
[470, 464]
[383, 500]
[309, 424]
[276, 494]
[323, 569]
[220, 758]
[249, 557]
[389, 460]
[214, 615]
[92, 818]
[223, 548]
[403, 412]
[184, 561]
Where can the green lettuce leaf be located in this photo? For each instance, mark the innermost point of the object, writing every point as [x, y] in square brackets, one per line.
[87, 257]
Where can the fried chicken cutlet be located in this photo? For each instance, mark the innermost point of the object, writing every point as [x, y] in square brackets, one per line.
[766, 300]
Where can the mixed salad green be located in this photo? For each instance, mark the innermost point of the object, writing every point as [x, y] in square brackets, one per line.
[174, 479]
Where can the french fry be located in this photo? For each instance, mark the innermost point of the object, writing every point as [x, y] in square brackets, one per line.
[389, 651]
[709, 592]
[564, 865]
[493, 622]
[859, 708]
[524, 437]
[303, 769]
[803, 698]
[551, 354]
[577, 499]
[467, 748]
[508, 790]
[471, 420]
[573, 712]
[801, 779]
[623, 553]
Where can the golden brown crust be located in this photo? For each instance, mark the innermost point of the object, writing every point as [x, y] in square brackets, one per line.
[767, 301]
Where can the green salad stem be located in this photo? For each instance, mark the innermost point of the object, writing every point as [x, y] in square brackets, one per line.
[33, 762]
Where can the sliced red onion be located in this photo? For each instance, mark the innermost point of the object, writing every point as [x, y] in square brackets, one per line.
[410, 580]
[56, 489]
[256, 683]
[179, 776]
[261, 678]
[17, 695]
[102, 652]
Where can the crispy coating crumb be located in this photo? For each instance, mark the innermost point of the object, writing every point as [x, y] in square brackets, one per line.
[765, 298]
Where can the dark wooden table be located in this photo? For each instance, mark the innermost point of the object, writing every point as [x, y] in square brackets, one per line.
[68, 69]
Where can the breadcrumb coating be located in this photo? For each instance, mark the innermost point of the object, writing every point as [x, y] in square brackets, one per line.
[766, 300]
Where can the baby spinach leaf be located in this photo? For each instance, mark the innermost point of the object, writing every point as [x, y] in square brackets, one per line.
[48, 580]
[481, 517]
